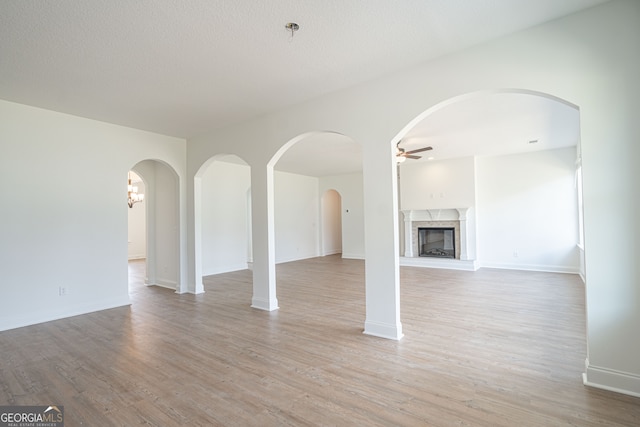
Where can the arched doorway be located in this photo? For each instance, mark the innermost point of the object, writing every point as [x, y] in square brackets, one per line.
[222, 216]
[136, 230]
[500, 205]
[157, 217]
[314, 175]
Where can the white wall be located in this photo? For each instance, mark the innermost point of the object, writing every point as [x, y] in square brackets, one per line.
[225, 217]
[351, 191]
[527, 211]
[297, 216]
[525, 208]
[297, 207]
[137, 227]
[69, 228]
[444, 184]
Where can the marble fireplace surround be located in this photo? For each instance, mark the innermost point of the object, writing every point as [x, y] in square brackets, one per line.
[438, 218]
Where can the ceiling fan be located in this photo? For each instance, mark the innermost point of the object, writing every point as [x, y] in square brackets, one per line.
[402, 155]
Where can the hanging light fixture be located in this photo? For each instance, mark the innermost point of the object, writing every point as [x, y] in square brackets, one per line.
[133, 196]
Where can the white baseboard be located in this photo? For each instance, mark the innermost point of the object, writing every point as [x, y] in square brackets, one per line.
[296, 258]
[430, 262]
[612, 380]
[347, 255]
[226, 269]
[35, 318]
[332, 252]
[531, 267]
[169, 284]
[383, 330]
[194, 290]
[264, 304]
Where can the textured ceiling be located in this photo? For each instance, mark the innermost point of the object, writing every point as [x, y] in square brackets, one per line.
[183, 68]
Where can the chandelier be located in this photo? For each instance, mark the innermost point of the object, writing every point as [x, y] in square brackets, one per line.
[133, 196]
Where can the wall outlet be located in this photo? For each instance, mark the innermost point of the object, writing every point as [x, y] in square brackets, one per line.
[62, 291]
[515, 254]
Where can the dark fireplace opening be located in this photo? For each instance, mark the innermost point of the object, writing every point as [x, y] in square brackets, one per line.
[437, 242]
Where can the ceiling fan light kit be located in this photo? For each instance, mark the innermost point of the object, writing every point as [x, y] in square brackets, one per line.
[402, 154]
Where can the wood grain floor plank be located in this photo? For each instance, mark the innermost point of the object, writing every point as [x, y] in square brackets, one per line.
[485, 348]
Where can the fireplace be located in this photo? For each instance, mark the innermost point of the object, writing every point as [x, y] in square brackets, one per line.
[438, 242]
[452, 245]
[461, 225]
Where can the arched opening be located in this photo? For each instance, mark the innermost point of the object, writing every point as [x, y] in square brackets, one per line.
[154, 225]
[222, 216]
[137, 232]
[308, 169]
[317, 193]
[500, 174]
[331, 220]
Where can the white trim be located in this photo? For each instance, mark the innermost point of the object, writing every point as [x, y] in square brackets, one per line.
[531, 267]
[226, 269]
[169, 284]
[264, 304]
[383, 330]
[431, 262]
[68, 312]
[332, 252]
[352, 256]
[612, 380]
[296, 258]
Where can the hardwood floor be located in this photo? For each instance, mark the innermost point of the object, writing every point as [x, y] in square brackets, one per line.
[485, 348]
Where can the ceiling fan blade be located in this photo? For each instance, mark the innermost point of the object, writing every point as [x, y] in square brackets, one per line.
[419, 150]
[409, 156]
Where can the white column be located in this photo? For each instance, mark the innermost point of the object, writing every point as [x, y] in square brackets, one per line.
[462, 216]
[382, 276]
[195, 239]
[408, 235]
[262, 220]
[183, 239]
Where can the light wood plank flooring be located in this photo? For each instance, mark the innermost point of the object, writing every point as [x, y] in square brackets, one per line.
[485, 348]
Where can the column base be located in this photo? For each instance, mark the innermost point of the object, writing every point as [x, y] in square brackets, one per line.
[264, 304]
[383, 330]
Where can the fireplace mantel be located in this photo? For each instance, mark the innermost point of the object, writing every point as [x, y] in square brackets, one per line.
[451, 214]
[437, 217]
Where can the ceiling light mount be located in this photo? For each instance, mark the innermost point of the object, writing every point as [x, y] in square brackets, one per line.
[293, 27]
